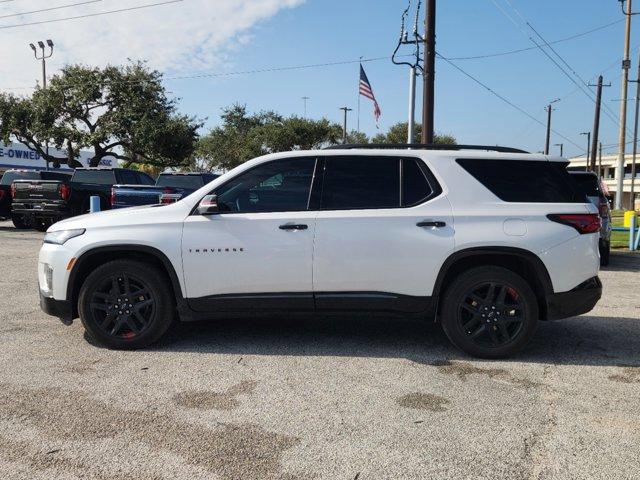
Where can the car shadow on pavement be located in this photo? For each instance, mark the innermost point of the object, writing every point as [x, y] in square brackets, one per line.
[587, 340]
[623, 261]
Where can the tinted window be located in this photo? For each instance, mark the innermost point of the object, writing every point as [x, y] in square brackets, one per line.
[192, 182]
[62, 176]
[280, 186]
[10, 176]
[525, 180]
[357, 182]
[588, 184]
[144, 179]
[129, 178]
[415, 187]
[100, 177]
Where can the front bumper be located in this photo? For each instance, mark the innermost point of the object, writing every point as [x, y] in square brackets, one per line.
[575, 302]
[57, 308]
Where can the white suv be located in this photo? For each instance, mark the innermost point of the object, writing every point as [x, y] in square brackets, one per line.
[485, 240]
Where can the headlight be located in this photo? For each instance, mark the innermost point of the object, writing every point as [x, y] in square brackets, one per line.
[61, 236]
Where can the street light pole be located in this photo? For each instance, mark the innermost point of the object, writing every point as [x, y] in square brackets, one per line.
[635, 141]
[588, 134]
[304, 99]
[43, 57]
[344, 124]
[561, 145]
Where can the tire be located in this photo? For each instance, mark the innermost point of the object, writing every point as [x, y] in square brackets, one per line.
[152, 299]
[41, 225]
[605, 253]
[478, 323]
[19, 222]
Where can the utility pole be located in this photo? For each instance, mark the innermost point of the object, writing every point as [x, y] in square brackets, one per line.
[600, 162]
[548, 136]
[635, 141]
[43, 57]
[304, 99]
[588, 134]
[561, 145]
[596, 123]
[626, 63]
[429, 72]
[549, 108]
[344, 124]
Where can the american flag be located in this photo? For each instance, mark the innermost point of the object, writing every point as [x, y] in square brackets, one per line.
[367, 91]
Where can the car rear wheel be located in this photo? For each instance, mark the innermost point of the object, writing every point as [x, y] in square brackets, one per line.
[489, 312]
[126, 304]
[19, 222]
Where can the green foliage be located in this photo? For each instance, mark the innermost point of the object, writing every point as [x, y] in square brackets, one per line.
[243, 136]
[121, 112]
[397, 133]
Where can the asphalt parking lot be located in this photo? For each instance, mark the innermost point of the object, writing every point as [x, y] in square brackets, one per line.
[335, 399]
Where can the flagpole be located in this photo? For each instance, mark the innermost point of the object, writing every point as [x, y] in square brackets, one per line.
[358, 127]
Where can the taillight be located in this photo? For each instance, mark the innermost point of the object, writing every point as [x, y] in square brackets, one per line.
[65, 191]
[13, 190]
[166, 197]
[112, 197]
[603, 207]
[582, 222]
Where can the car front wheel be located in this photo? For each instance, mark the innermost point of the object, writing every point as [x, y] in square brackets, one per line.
[489, 312]
[126, 304]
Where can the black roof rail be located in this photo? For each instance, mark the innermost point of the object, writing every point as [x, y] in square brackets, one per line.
[424, 146]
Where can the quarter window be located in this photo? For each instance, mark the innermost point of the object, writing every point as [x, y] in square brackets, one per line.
[415, 186]
[279, 186]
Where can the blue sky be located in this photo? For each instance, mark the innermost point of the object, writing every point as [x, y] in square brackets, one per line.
[195, 37]
[333, 30]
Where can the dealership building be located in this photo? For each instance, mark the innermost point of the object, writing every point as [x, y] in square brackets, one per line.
[17, 155]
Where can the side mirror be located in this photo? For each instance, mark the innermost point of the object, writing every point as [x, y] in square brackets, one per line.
[208, 205]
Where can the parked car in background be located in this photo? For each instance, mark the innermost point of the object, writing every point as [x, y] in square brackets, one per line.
[6, 193]
[486, 240]
[44, 202]
[168, 188]
[591, 186]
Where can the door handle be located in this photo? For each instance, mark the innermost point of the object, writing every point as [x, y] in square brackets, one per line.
[293, 226]
[431, 223]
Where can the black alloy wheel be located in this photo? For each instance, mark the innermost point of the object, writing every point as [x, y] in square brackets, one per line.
[489, 312]
[126, 304]
[122, 306]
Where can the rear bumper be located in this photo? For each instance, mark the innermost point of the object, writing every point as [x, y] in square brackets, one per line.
[575, 302]
[57, 308]
[43, 209]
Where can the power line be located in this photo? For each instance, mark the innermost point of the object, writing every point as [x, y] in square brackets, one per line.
[527, 49]
[49, 9]
[505, 100]
[586, 91]
[87, 15]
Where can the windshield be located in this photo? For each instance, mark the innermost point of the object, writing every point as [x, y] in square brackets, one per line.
[9, 177]
[191, 182]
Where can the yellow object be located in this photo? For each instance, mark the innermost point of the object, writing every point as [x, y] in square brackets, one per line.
[627, 218]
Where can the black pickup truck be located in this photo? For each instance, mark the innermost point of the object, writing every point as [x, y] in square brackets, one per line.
[44, 202]
[6, 190]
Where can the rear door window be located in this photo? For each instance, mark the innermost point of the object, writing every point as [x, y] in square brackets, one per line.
[528, 181]
[361, 182]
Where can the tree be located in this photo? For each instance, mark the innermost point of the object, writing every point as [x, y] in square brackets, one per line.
[397, 133]
[243, 136]
[122, 112]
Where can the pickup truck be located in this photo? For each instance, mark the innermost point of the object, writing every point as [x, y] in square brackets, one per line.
[169, 187]
[6, 194]
[44, 202]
